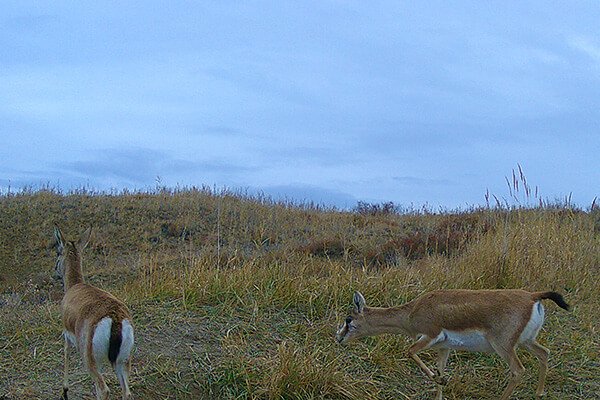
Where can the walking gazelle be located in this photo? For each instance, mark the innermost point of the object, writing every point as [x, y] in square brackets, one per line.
[94, 321]
[470, 320]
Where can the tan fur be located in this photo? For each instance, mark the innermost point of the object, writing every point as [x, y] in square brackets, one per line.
[493, 319]
[83, 307]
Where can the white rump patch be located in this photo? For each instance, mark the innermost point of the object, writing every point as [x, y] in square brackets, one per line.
[534, 325]
[126, 341]
[101, 341]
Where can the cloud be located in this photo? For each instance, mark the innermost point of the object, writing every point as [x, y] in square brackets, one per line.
[309, 194]
[309, 156]
[223, 167]
[221, 131]
[586, 46]
[134, 165]
[142, 167]
[416, 181]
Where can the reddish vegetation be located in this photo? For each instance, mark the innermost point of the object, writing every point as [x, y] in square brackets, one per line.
[448, 235]
[326, 248]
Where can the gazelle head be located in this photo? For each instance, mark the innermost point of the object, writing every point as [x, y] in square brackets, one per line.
[355, 326]
[68, 261]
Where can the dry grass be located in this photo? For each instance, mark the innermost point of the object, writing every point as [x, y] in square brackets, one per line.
[238, 298]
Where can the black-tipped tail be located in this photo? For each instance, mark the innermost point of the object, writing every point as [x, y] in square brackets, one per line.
[557, 298]
[115, 341]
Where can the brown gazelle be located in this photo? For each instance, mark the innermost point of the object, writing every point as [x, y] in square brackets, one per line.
[470, 320]
[94, 321]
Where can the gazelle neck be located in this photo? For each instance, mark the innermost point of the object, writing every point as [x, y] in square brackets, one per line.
[73, 274]
[388, 320]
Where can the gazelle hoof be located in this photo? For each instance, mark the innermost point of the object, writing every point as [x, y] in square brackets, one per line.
[440, 380]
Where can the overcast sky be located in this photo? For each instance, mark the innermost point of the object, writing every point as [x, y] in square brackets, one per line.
[334, 102]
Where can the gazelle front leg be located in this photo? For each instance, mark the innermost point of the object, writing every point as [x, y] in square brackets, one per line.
[421, 344]
[66, 370]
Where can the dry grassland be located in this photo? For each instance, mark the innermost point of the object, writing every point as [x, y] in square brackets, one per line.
[238, 297]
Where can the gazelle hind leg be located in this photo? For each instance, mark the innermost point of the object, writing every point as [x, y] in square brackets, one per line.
[542, 354]
[101, 387]
[94, 371]
[122, 370]
[509, 355]
[441, 365]
[99, 383]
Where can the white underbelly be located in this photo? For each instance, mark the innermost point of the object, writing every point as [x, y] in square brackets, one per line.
[471, 340]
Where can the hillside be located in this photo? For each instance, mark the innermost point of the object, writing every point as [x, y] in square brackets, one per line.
[238, 297]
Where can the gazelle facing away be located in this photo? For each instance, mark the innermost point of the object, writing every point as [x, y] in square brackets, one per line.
[470, 320]
[94, 321]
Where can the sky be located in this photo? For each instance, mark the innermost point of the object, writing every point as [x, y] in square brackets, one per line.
[332, 102]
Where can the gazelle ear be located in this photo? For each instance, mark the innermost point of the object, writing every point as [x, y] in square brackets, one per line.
[85, 238]
[359, 302]
[58, 235]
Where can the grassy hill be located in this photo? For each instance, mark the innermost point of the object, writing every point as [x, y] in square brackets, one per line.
[238, 297]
